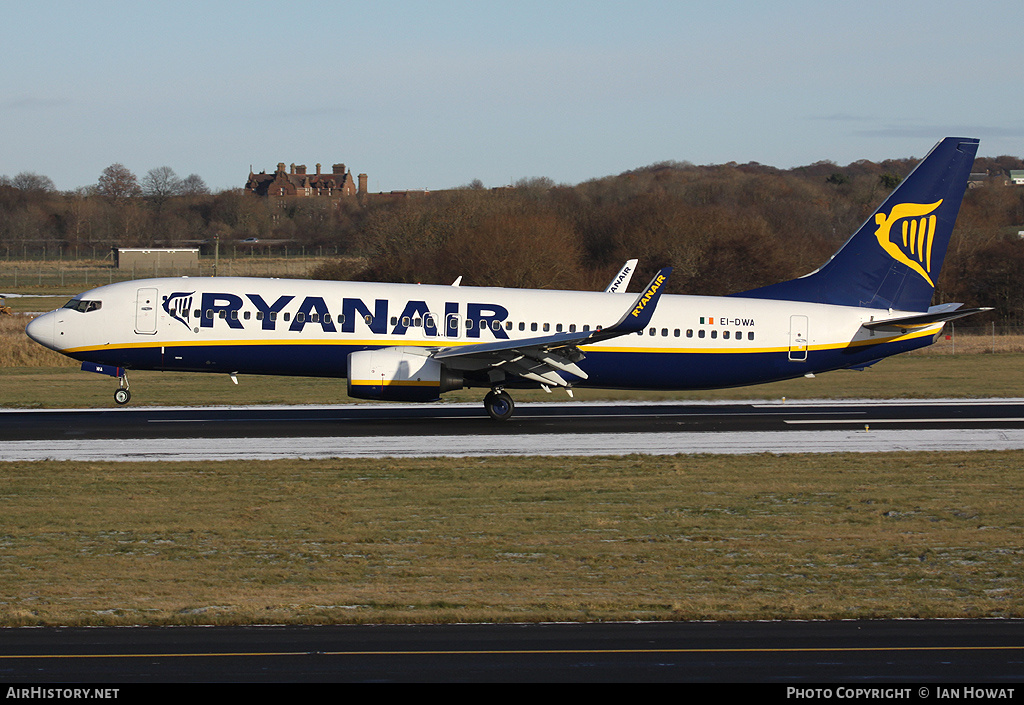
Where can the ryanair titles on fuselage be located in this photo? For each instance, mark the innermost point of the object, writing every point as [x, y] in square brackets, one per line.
[313, 310]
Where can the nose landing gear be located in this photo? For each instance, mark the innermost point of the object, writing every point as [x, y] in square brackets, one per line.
[499, 404]
[122, 395]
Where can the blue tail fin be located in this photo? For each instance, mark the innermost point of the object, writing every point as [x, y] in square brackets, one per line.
[893, 260]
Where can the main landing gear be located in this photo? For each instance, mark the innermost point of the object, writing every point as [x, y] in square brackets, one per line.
[499, 404]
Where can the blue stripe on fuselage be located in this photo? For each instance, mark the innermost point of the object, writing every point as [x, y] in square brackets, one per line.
[635, 369]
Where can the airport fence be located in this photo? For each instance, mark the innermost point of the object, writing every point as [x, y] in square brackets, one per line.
[63, 276]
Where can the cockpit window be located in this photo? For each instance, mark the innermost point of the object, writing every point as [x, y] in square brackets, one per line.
[83, 305]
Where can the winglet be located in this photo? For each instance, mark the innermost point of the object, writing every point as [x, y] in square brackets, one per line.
[621, 281]
[639, 314]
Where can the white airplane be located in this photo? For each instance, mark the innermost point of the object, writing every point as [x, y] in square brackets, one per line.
[411, 342]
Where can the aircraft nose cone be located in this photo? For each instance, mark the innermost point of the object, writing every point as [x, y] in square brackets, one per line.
[41, 330]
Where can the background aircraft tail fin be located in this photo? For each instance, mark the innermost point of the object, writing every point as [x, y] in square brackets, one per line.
[893, 260]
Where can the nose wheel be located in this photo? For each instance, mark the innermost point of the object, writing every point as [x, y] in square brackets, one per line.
[122, 395]
[499, 404]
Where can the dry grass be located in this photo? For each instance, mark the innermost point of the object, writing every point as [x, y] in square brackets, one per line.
[18, 350]
[841, 536]
[974, 344]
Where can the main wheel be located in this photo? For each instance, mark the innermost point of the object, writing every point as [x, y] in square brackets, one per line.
[499, 405]
[122, 396]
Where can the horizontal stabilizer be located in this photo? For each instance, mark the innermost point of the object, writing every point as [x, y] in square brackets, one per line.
[936, 314]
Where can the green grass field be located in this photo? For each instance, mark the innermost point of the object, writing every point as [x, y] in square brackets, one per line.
[513, 539]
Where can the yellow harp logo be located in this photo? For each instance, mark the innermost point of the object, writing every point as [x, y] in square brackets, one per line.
[918, 232]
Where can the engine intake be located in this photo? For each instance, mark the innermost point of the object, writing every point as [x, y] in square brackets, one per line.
[399, 374]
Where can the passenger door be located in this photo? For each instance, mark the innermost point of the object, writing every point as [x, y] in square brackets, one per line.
[798, 338]
[145, 311]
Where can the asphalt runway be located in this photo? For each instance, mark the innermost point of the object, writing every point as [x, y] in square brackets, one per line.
[567, 428]
[907, 654]
[851, 654]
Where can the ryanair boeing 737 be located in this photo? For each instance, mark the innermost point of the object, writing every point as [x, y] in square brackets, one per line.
[410, 342]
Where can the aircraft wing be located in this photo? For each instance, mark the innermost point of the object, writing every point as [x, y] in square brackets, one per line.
[541, 359]
[935, 314]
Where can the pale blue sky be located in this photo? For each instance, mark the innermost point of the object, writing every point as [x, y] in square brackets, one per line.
[436, 94]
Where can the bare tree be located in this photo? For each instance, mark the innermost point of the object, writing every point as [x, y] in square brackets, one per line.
[193, 185]
[118, 182]
[160, 184]
[34, 183]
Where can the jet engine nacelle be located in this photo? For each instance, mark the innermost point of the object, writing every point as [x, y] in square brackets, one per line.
[399, 374]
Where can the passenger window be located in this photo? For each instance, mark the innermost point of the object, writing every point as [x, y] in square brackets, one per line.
[700, 333]
[533, 326]
[547, 327]
[714, 334]
[725, 335]
[689, 332]
[750, 335]
[558, 328]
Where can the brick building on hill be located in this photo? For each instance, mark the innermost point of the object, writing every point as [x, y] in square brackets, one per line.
[296, 183]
